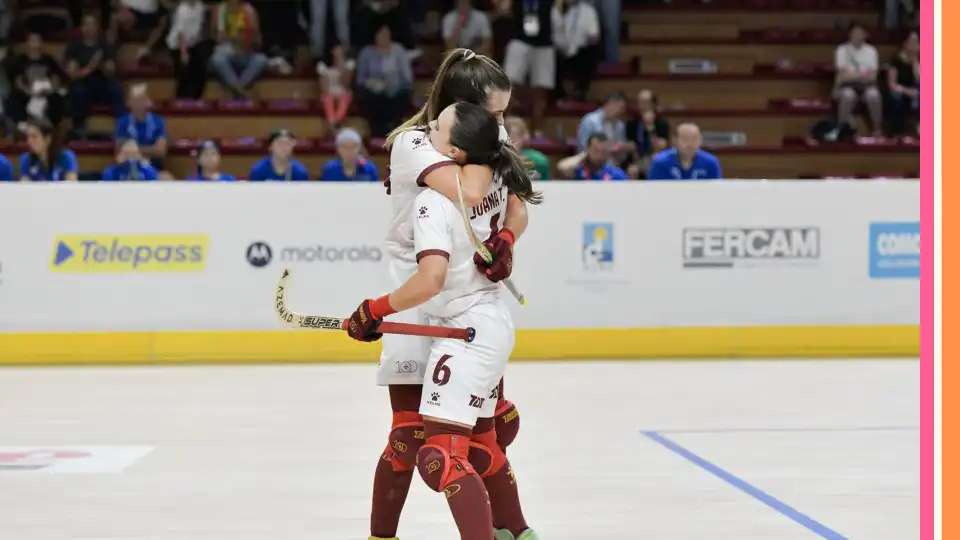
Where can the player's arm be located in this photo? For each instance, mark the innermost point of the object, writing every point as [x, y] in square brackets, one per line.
[433, 243]
[474, 179]
[517, 217]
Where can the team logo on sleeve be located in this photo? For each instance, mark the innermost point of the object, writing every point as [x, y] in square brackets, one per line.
[422, 213]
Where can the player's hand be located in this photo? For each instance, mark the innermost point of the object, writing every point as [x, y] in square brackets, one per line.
[501, 247]
[363, 325]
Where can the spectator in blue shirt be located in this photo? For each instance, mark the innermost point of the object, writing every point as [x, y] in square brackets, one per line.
[208, 164]
[130, 166]
[592, 164]
[280, 165]
[6, 169]
[350, 165]
[608, 119]
[686, 161]
[147, 128]
[46, 160]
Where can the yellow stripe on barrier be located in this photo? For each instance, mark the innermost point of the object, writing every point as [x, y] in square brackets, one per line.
[223, 347]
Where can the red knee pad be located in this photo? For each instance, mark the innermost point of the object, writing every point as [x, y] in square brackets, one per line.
[443, 460]
[507, 422]
[486, 456]
[406, 438]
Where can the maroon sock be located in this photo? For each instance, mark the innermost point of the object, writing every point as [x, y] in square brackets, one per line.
[505, 500]
[389, 495]
[466, 495]
[470, 507]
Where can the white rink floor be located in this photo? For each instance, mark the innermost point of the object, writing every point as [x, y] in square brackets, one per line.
[623, 451]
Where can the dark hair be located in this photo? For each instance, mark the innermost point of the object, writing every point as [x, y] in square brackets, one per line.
[616, 96]
[855, 24]
[55, 147]
[477, 132]
[463, 76]
[598, 136]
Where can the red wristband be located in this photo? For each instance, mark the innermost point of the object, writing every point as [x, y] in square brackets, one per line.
[507, 235]
[381, 307]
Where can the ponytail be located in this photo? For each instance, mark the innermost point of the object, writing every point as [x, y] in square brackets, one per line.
[514, 171]
[462, 76]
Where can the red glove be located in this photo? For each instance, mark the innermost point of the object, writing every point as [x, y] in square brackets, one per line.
[501, 247]
[367, 318]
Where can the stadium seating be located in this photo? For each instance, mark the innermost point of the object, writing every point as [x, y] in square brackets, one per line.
[773, 82]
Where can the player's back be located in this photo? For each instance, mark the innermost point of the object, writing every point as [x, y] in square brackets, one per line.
[412, 157]
[439, 230]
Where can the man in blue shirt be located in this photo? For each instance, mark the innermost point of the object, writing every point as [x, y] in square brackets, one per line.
[592, 164]
[280, 165]
[686, 161]
[608, 119]
[350, 165]
[130, 165]
[147, 128]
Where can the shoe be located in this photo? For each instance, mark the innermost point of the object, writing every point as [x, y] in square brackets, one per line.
[504, 534]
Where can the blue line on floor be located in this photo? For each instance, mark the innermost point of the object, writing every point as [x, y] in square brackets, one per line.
[849, 429]
[814, 526]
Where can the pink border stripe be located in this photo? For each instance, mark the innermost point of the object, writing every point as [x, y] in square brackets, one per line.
[926, 269]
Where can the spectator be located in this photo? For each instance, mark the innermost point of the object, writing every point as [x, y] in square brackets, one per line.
[318, 24]
[856, 63]
[349, 165]
[91, 64]
[189, 49]
[467, 28]
[46, 160]
[648, 131]
[148, 129]
[237, 59]
[335, 81]
[141, 16]
[385, 81]
[374, 14]
[611, 16]
[687, 161]
[36, 77]
[903, 84]
[6, 169]
[130, 165]
[208, 164]
[593, 163]
[520, 136]
[502, 27]
[576, 33]
[280, 165]
[531, 53]
[608, 119]
[281, 31]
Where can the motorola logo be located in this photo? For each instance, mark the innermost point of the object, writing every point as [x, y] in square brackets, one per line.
[259, 254]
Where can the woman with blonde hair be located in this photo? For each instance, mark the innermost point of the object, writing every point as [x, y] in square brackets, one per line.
[414, 165]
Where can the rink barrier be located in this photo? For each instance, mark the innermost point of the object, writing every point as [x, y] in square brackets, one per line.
[146, 348]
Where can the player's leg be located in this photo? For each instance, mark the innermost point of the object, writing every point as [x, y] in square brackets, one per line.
[452, 395]
[402, 365]
[391, 481]
[490, 461]
[506, 419]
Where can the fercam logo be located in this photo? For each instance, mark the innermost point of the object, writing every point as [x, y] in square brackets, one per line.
[77, 254]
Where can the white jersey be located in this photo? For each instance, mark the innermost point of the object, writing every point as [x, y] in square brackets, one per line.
[412, 158]
[438, 229]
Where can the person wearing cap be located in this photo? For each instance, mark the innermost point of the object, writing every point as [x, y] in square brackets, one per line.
[130, 165]
[349, 165]
[208, 164]
[280, 165]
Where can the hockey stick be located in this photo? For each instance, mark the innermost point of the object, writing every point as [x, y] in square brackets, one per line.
[317, 322]
[482, 249]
